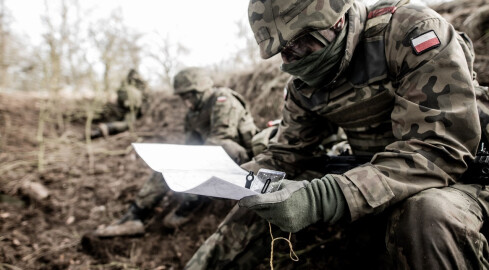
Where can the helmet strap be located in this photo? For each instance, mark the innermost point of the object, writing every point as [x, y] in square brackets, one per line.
[325, 36]
[200, 96]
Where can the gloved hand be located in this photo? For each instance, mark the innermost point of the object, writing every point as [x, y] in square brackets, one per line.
[298, 204]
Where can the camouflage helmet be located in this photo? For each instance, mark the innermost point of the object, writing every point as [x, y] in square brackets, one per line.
[276, 22]
[191, 79]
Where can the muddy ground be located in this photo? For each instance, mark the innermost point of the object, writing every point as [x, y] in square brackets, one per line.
[55, 187]
[91, 185]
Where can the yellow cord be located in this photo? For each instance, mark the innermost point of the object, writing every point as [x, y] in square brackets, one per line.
[292, 254]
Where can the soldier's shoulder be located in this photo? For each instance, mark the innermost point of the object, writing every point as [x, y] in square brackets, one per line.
[227, 92]
[407, 16]
[223, 91]
[411, 20]
[224, 95]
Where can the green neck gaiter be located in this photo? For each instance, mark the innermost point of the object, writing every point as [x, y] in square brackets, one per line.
[201, 98]
[319, 67]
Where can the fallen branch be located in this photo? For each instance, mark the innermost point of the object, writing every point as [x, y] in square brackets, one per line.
[8, 266]
[15, 164]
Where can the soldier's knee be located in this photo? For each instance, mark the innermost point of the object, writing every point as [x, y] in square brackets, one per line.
[428, 213]
[235, 151]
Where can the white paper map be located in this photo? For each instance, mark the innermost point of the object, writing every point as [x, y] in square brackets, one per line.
[197, 169]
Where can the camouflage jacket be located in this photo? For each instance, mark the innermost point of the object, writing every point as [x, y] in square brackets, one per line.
[222, 115]
[413, 107]
[132, 96]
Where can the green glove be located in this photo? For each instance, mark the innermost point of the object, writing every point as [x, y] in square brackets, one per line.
[298, 204]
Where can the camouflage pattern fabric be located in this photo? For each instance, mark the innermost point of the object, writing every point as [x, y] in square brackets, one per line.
[459, 212]
[412, 124]
[131, 99]
[131, 95]
[415, 112]
[222, 119]
[241, 241]
[276, 23]
[192, 79]
[261, 140]
[151, 192]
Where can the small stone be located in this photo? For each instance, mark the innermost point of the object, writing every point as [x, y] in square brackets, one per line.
[70, 220]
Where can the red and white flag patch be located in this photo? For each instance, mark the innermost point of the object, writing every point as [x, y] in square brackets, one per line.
[221, 98]
[425, 42]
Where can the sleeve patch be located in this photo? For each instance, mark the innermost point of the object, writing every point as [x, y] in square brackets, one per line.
[221, 99]
[425, 42]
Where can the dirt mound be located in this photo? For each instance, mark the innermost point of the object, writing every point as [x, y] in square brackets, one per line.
[262, 87]
[87, 185]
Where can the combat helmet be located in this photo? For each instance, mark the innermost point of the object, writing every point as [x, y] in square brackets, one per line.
[276, 22]
[191, 79]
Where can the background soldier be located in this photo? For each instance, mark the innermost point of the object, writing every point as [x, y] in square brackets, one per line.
[216, 116]
[399, 80]
[131, 98]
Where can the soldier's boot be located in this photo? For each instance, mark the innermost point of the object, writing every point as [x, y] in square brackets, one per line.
[107, 129]
[102, 130]
[116, 127]
[128, 225]
[183, 213]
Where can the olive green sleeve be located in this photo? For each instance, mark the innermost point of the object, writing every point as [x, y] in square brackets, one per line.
[298, 204]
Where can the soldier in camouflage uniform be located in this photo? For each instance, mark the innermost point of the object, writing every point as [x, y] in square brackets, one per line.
[216, 116]
[399, 80]
[131, 98]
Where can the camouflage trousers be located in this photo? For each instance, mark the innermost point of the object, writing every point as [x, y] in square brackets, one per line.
[153, 191]
[435, 229]
[238, 243]
[441, 229]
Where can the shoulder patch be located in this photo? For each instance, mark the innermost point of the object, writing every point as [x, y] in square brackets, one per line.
[221, 99]
[425, 42]
[381, 11]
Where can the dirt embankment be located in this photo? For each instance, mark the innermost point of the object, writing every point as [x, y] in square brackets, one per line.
[45, 207]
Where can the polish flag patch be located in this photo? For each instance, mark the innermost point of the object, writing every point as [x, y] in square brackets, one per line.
[425, 42]
[221, 99]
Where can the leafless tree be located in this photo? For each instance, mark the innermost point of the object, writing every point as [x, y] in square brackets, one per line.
[118, 48]
[54, 37]
[167, 55]
[17, 60]
[6, 40]
[250, 53]
[245, 56]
